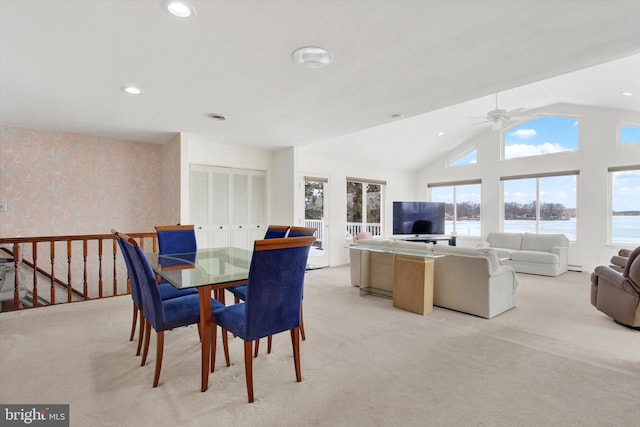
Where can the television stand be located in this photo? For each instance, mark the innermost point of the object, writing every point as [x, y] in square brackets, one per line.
[431, 239]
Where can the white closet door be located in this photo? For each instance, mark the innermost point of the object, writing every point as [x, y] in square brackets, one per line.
[228, 206]
[258, 206]
[240, 209]
[220, 207]
[199, 204]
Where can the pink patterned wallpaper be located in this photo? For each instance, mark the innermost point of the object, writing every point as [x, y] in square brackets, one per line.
[60, 183]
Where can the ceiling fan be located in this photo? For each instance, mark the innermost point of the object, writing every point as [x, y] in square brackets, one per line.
[498, 116]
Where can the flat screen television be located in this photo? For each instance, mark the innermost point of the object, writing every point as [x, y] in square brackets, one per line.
[417, 218]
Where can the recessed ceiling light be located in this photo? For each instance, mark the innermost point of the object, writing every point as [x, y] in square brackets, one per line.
[181, 9]
[312, 57]
[440, 133]
[626, 93]
[132, 90]
[217, 117]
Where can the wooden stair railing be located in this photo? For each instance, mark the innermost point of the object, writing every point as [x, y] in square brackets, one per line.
[24, 251]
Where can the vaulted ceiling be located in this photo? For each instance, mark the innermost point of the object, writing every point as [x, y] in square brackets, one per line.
[63, 65]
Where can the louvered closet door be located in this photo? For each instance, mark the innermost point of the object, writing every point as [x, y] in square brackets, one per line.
[199, 204]
[258, 205]
[228, 206]
[220, 217]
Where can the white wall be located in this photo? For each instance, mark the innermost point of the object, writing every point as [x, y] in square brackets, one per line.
[598, 150]
[400, 186]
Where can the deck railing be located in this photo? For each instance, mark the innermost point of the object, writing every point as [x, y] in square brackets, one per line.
[56, 269]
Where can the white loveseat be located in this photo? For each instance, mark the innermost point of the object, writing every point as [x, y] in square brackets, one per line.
[469, 280]
[544, 254]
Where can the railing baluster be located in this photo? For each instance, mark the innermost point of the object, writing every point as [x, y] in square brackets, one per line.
[34, 249]
[53, 274]
[115, 273]
[85, 285]
[16, 276]
[100, 268]
[69, 285]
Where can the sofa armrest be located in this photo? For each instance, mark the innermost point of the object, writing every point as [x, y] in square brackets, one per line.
[483, 245]
[563, 255]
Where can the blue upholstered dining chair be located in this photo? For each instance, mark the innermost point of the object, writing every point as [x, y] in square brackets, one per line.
[166, 290]
[273, 232]
[272, 305]
[276, 231]
[176, 239]
[162, 314]
[296, 232]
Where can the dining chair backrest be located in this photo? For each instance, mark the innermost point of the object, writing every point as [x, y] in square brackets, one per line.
[276, 231]
[301, 231]
[274, 290]
[176, 239]
[151, 300]
[133, 278]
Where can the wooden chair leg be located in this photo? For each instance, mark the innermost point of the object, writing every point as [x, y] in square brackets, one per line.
[133, 323]
[295, 341]
[159, 351]
[147, 333]
[141, 332]
[302, 323]
[225, 344]
[248, 368]
[214, 333]
[255, 353]
[269, 342]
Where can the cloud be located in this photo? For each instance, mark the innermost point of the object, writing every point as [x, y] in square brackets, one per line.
[524, 133]
[525, 150]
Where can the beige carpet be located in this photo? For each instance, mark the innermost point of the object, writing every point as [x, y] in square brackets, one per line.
[552, 361]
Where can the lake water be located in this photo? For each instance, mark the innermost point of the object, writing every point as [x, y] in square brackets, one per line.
[625, 229]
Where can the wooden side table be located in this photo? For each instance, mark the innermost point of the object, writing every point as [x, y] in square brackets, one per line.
[413, 284]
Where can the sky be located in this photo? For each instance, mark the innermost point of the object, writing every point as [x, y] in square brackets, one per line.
[548, 135]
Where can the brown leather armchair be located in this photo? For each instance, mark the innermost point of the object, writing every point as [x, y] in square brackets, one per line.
[619, 262]
[618, 294]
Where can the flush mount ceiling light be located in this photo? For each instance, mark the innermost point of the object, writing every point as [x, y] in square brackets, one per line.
[312, 57]
[181, 9]
[132, 90]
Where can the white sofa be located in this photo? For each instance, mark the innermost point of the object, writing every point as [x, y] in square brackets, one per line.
[469, 280]
[544, 254]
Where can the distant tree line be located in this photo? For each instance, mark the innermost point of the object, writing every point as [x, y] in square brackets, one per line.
[626, 213]
[466, 210]
[548, 211]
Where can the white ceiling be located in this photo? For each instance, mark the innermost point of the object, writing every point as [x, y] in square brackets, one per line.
[63, 64]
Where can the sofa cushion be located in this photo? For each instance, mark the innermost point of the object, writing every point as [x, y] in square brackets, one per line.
[502, 253]
[505, 240]
[414, 246]
[488, 253]
[374, 242]
[535, 257]
[543, 242]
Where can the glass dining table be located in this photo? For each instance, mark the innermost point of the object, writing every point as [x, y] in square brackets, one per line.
[211, 269]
